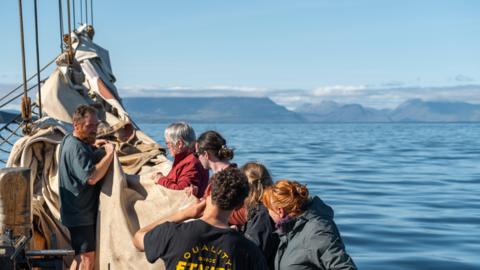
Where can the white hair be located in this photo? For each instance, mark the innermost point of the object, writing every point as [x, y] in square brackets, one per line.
[180, 131]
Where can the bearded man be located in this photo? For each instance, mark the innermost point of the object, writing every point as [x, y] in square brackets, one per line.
[80, 171]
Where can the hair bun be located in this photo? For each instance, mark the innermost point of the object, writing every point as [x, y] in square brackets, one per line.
[225, 153]
[301, 190]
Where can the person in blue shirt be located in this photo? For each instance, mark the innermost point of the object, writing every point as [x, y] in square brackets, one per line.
[81, 167]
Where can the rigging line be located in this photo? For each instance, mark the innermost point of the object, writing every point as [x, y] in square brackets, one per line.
[17, 96]
[22, 41]
[69, 34]
[38, 60]
[14, 120]
[11, 135]
[29, 79]
[86, 12]
[12, 131]
[74, 21]
[4, 151]
[60, 18]
[91, 12]
[81, 11]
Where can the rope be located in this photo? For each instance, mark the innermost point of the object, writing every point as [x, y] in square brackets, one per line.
[38, 60]
[14, 120]
[6, 139]
[74, 21]
[81, 11]
[12, 131]
[70, 56]
[29, 79]
[17, 96]
[86, 11]
[91, 11]
[26, 117]
[60, 18]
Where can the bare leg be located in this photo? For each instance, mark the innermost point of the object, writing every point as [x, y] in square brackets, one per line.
[84, 261]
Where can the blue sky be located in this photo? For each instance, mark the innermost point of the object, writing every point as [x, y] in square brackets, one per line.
[258, 45]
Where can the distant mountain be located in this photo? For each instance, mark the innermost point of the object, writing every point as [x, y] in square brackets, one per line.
[332, 112]
[209, 109]
[416, 110]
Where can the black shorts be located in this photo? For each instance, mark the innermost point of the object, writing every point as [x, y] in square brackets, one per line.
[82, 238]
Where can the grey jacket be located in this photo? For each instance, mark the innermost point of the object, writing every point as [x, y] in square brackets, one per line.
[312, 241]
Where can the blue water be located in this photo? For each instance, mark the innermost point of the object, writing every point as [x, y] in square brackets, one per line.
[406, 196]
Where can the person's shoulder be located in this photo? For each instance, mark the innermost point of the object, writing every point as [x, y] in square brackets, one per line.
[188, 160]
[240, 239]
[69, 143]
[196, 225]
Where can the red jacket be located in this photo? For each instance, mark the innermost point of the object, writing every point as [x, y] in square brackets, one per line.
[186, 170]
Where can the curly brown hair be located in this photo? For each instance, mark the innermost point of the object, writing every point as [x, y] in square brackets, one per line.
[229, 188]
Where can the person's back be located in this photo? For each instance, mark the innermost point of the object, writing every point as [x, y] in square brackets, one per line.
[309, 238]
[208, 242]
[202, 246]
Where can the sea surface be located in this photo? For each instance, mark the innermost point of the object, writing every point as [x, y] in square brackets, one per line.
[406, 196]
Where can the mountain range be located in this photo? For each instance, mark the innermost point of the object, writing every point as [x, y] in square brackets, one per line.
[264, 110]
[209, 110]
[414, 110]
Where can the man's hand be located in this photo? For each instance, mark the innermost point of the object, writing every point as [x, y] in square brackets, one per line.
[109, 148]
[155, 176]
[191, 190]
[99, 142]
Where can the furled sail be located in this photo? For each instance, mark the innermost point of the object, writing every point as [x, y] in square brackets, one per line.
[129, 199]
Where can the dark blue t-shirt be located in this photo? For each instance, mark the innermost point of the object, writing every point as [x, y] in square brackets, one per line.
[78, 199]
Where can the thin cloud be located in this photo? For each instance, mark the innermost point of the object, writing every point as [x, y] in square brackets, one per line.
[463, 78]
[376, 97]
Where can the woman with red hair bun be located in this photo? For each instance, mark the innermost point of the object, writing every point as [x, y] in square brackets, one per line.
[309, 238]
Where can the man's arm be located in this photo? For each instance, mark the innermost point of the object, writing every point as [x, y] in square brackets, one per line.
[189, 176]
[193, 211]
[102, 166]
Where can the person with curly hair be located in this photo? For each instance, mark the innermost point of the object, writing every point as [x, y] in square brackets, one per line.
[207, 242]
[309, 238]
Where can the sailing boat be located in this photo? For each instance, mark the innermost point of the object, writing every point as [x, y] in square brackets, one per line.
[128, 199]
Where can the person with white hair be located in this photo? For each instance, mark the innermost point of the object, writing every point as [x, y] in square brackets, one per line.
[187, 171]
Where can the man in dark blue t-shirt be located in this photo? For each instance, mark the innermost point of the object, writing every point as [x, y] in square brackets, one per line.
[80, 170]
[207, 242]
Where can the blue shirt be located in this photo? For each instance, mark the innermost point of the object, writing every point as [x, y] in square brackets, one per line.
[78, 199]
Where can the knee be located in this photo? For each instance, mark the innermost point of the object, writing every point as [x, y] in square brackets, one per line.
[88, 259]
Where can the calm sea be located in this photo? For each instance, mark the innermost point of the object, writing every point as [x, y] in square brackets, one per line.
[406, 196]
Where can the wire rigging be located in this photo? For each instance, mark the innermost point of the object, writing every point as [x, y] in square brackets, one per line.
[86, 11]
[37, 46]
[74, 21]
[91, 12]
[60, 18]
